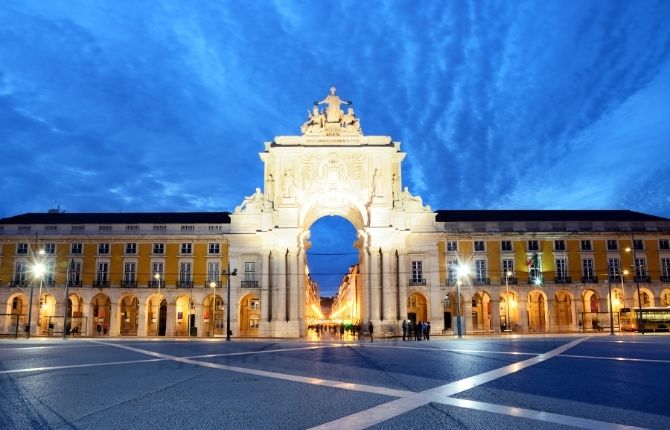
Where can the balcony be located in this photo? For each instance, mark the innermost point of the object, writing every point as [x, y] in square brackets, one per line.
[510, 281]
[417, 282]
[249, 284]
[481, 281]
[562, 280]
[185, 284]
[129, 284]
[76, 284]
[643, 278]
[535, 280]
[101, 283]
[154, 284]
[450, 282]
[590, 279]
[665, 278]
[614, 278]
[17, 283]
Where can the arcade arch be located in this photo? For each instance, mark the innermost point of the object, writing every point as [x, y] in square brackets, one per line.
[481, 312]
[101, 309]
[250, 315]
[537, 311]
[417, 307]
[156, 315]
[214, 315]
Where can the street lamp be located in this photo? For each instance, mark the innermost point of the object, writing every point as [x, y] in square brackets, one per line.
[461, 272]
[229, 274]
[70, 269]
[609, 288]
[37, 270]
[637, 281]
[508, 323]
[157, 277]
[623, 292]
[212, 284]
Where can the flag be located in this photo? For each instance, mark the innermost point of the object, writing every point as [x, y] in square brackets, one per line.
[533, 261]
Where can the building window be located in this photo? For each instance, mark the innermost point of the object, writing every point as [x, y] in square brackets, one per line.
[559, 245]
[77, 228]
[157, 273]
[24, 228]
[480, 271]
[131, 248]
[22, 248]
[49, 273]
[76, 248]
[665, 269]
[187, 228]
[585, 245]
[215, 228]
[638, 245]
[185, 273]
[506, 245]
[50, 248]
[75, 273]
[417, 272]
[534, 264]
[561, 268]
[612, 245]
[129, 273]
[254, 304]
[533, 245]
[452, 272]
[213, 272]
[159, 248]
[159, 228]
[214, 248]
[452, 245]
[103, 248]
[104, 228]
[20, 270]
[102, 275]
[50, 228]
[132, 227]
[640, 267]
[664, 244]
[508, 266]
[479, 246]
[587, 268]
[249, 271]
[613, 268]
[186, 248]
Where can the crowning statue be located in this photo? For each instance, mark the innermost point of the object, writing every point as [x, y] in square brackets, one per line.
[333, 119]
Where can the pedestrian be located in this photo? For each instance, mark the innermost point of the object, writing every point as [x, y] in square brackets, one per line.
[358, 331]
[341, 331]
[371, 330]
[404, 329]
[580, 325]
[427, 330]
[99, 329]
[419, 329]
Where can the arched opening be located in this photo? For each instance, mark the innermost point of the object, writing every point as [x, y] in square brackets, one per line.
[563, 311]
[15, 317]
[481, 312]
[417, 308]
[129, 308]
[537, 311]
[47, 310]
[509, 311]
[156, 315]
[645, 296]
[665, 297]
[591, 311]
[250, 315]
[185, 318]
[76, 323]
[101, 308]
[332, 259]
[213, 316]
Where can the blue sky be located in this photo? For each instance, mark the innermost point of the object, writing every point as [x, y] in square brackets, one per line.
[163, 106]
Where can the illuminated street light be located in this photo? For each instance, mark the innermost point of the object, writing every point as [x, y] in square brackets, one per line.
[461, 271]
[637, 281]
[228, 275]
[212, 284]
[37, 270]
[508, 322]
[157, 277]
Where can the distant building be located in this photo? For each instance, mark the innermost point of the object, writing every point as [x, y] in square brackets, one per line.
[154, 274]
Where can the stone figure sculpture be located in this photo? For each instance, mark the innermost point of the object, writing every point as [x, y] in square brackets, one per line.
[333, 102]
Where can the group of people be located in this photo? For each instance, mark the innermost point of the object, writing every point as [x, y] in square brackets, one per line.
[418, 331]
[336, 329]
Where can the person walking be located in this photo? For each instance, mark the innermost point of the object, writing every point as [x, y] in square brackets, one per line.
[419, 329]
[404, 329]
[427, 330]
[371, 330]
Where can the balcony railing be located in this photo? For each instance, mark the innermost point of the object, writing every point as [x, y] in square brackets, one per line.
[534, 280]
[562, 279]
[481, 281]
[591, 279]
[155, 284]
[249, 284]
[450, 282]
[510, 280]
[100, 283]
[417, 282]
[643, 278]
[17, 283]
[614, 278]
[129, 284]
[665, 278]
[75, 284]
[185, 284]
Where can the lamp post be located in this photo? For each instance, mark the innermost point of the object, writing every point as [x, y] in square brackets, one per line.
[70, 268]
[37, 271]
[212, 284]
[157, 277]
[637, 282]
[508, 323]
[609, 289]
[623, 292]
[229, 274]
[461, 272]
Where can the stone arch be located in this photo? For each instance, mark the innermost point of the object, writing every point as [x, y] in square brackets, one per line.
[128, 315]
[591, 307]
[618, 301]
[537, 311]
[312, 208]
[250, 315]
[564, 310]
[156, 315]
[482, 312]
[76, 323]
[664, 298]
[46, 312]
[101, 310]
[16, 313]
[509, 315]
[214, 315]
[646, 296]
[184, 314]
[417, 307]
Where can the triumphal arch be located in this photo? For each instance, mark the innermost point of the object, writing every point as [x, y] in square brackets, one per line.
[332, 168]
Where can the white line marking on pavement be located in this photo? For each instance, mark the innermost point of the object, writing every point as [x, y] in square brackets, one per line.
[466, 351]
[595, 357]
[74, 366]
[397, 407]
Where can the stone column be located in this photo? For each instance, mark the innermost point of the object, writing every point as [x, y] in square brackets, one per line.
[142, 321]
[114, 320]
[281, 287]
[88, 325]
[294, 280]
[198, 319]
[171, 319]
[265, 286]
[404, 275]
[495, 315]
[388, 296]
[550, 313]
[300, 292]
[523, 314]
[373, 288]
